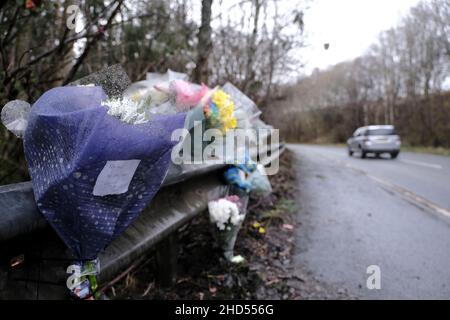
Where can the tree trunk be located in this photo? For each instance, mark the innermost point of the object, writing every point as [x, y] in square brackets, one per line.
[62, 66]
[250, 72]
[204, 45]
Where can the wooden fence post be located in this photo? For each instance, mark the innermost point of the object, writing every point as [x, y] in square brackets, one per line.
[166, 260]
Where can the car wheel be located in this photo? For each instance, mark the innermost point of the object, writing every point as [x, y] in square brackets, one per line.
[394, 155]
[350, 152]
[363, 153]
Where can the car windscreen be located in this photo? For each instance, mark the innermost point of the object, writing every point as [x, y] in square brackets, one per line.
[380, 132]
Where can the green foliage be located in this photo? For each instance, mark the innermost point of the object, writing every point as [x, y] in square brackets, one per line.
[282, 207]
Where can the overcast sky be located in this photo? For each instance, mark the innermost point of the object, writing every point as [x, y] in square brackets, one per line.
[349, 26]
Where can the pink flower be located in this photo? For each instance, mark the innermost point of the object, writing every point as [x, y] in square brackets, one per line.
[185, 95]
[235, 199]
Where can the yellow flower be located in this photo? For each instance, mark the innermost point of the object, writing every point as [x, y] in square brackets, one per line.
[262, 230]
[230, 123]
[220, 98]
[136, 97]
[233, 123]
[225, 107]
[226, 111]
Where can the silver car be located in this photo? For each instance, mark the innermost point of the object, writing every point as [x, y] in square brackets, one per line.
[374, 139]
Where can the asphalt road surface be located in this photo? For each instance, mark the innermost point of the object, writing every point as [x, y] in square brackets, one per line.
[394, 214]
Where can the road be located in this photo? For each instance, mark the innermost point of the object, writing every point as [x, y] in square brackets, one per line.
[394, 214]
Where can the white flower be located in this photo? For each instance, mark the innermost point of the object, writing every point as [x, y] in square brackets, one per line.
[223, 211]
[236, 218]
[126, 110]
[237, 259]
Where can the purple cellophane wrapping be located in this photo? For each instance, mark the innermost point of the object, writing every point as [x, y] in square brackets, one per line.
[69, 139]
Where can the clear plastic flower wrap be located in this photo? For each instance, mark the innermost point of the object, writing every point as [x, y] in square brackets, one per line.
[167, 93]
[15, 116]
[260, 184]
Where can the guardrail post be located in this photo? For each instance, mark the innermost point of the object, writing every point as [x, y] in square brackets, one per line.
[166, 260]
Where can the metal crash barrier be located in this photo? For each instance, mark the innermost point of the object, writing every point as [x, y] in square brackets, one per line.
[33, 259]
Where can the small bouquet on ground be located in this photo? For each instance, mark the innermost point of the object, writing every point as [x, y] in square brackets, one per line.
[226, 215]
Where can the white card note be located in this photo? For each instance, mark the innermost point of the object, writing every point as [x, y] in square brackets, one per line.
[115, 177]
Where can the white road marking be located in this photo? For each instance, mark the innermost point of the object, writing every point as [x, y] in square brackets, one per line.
[423, 164]
[404, 193]
[410, 196]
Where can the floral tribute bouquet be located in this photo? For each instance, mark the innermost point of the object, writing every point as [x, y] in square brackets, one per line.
[249, 177]
[226, 215]
[171, 93]
[236, 175]
[218, 111]
[99, 150]
[243, 179]
[95, 163]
